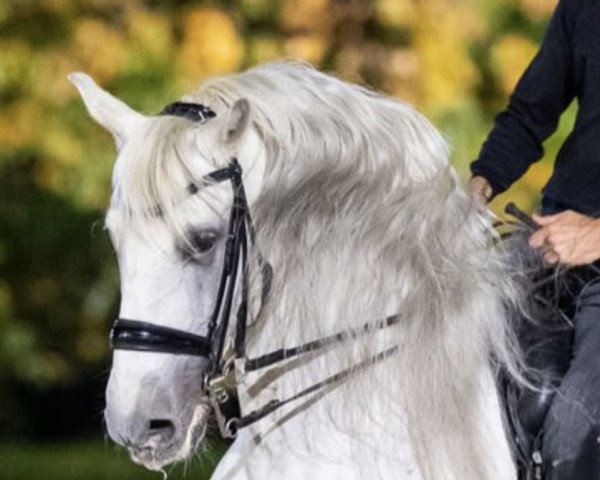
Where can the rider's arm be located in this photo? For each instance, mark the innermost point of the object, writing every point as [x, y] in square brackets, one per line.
[542, 94]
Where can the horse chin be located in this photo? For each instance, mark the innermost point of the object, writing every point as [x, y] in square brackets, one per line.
[155, 456]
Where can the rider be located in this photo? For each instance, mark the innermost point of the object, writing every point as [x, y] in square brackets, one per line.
[567, 67]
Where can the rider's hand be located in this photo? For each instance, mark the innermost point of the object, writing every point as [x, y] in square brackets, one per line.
[568, 237]
[480, 189]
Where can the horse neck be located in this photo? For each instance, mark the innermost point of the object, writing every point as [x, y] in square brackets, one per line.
[309, 301]
[312, 436]
[328, 279]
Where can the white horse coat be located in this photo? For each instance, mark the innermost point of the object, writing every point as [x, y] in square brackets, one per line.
[361, 216]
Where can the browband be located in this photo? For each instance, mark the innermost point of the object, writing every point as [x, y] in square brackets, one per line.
[195, 112]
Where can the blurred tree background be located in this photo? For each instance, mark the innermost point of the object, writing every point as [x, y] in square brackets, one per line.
[456, 60]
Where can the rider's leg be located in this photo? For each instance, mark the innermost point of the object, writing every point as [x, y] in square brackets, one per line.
[574, 417]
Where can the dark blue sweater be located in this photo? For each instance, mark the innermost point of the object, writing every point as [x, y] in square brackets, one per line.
[566, 67]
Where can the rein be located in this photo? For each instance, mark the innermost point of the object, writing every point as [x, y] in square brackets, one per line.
[142, 336]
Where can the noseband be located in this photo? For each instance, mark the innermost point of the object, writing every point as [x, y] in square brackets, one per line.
[141, 336]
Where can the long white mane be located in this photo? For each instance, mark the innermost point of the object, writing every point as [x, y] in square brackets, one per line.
[361, 216]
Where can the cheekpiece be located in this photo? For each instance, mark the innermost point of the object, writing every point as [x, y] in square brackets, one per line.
[195, 112]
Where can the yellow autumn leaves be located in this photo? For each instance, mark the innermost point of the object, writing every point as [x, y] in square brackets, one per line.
[437, 70]
[452, 58]
[211, 44]
[510, 56]
[456, 60]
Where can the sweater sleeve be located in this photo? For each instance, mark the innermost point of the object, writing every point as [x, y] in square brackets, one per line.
[544, 91]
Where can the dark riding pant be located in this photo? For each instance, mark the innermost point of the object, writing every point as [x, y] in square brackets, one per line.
[571, 429]
[572, 426]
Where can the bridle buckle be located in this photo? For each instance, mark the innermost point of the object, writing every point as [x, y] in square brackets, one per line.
[217, 397]
[216, 390]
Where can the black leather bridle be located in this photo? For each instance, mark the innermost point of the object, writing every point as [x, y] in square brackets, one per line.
[141, 336]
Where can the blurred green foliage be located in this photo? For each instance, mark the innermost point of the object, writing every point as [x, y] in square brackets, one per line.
[456, 60]
[92, 461]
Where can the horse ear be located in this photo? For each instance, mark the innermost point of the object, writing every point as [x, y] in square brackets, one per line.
[237, 121]
[108, 111]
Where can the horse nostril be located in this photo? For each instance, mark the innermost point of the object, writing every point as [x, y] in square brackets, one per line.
[161, 428]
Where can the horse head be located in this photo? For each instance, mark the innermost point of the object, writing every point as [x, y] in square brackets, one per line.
[169, 231]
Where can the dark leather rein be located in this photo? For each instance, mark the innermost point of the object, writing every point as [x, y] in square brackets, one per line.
[141, 336]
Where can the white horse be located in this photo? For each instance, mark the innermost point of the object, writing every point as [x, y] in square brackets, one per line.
[361, 217]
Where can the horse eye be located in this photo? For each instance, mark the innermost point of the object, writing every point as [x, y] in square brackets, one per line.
[200, 242]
